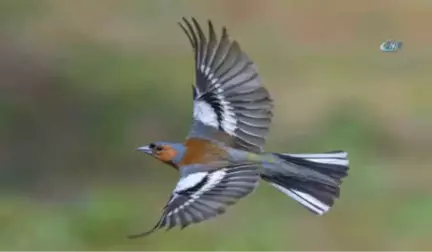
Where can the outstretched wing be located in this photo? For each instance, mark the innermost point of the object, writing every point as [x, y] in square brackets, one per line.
[203, 195]
[228, 96]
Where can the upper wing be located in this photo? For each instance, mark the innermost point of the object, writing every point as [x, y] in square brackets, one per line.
[203, 195]
[228, 96]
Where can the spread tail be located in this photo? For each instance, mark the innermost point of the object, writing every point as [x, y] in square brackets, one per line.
[311, 179]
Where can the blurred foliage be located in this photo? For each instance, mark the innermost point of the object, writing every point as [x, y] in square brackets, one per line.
[83, 83]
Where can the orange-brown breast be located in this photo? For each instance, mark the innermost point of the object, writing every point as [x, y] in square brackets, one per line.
[167, 154]
[201, 151]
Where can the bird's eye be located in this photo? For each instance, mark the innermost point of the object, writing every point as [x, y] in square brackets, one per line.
[152, 145]
[159, 148]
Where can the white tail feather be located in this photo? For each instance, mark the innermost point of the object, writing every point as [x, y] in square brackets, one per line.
[337, 158]
[305, 199]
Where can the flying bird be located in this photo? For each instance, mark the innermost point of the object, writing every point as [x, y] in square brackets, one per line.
[222, 159]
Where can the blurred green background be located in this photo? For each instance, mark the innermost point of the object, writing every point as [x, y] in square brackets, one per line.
[83, 83]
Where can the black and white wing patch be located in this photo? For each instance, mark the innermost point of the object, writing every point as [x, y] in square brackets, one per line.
[203, 195]
[228, 95]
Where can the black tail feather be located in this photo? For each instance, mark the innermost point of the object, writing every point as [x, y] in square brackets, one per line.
[333, 164]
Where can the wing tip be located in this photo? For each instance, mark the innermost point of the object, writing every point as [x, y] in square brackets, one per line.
[189, 20]
[135, 236]
[183, 21]
[145, 233]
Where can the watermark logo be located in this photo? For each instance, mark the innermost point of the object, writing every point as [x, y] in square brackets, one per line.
[391, 46]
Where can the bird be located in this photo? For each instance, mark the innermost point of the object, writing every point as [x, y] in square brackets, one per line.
[222, 159]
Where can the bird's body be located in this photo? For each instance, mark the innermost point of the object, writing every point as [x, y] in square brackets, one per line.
[222, 158]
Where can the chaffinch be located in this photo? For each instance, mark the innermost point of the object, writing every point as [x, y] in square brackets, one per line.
[222, 159]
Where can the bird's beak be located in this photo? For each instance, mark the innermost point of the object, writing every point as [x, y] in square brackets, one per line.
[145, 149]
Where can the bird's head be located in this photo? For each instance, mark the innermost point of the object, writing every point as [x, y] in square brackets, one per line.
[169, 153]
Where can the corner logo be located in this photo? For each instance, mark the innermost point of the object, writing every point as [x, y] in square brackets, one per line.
[391, 46]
